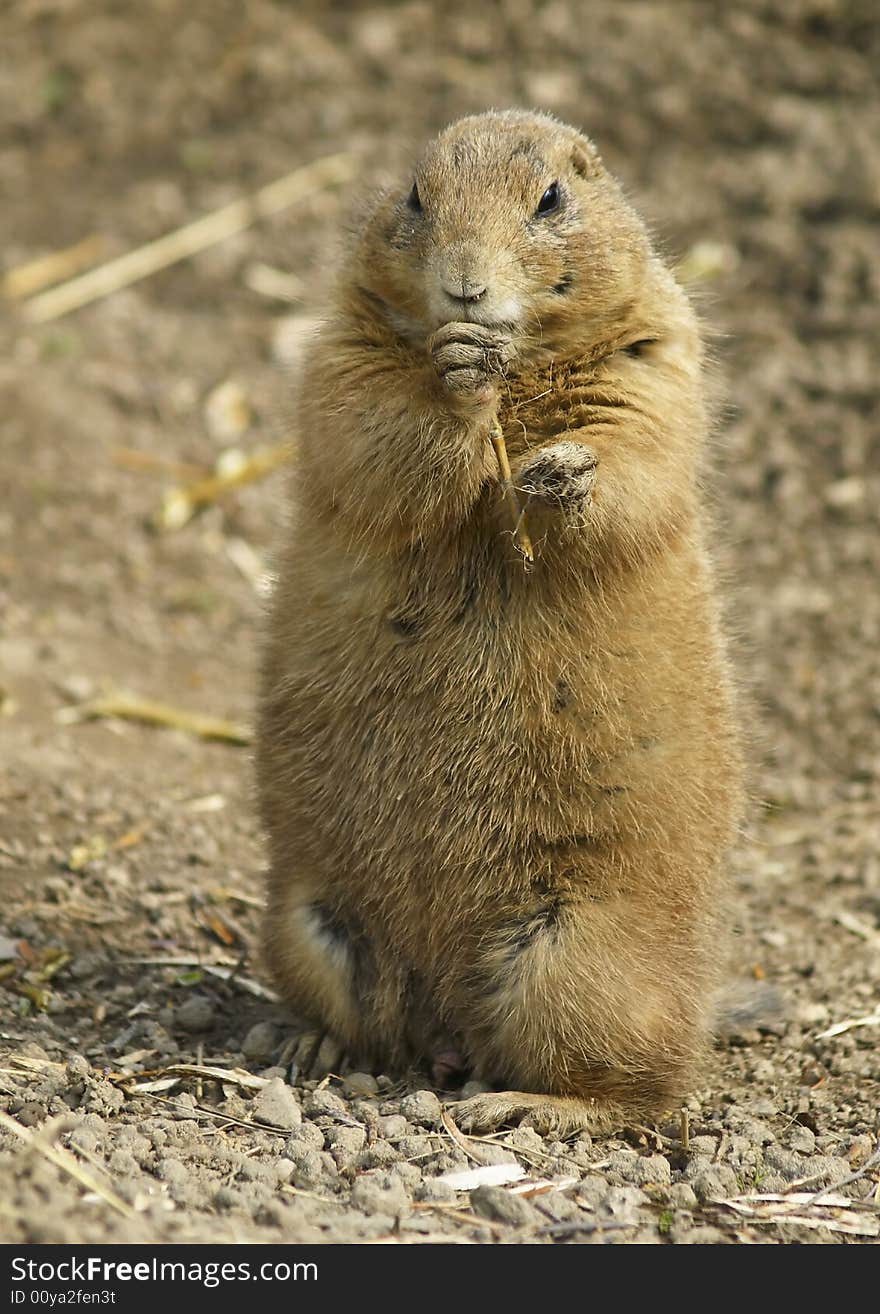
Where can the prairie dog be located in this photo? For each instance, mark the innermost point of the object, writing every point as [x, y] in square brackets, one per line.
[497, 799]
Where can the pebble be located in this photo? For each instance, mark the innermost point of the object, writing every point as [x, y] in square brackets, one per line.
[360, 1084]
[499, 1206]
[259, 1043]
[716, 1182]
[308, 1135]
[196, 1014]
[378, 1155]
[436, 1192]
[382, 1195]
[308, 1166]
[421, 1106]
[276, 1104]
[393, 1126]
[323, 1103]
[802, 1140]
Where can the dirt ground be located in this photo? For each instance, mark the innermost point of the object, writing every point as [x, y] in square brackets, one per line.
[130, 861]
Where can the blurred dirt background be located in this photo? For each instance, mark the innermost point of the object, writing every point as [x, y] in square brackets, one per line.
[749, 134]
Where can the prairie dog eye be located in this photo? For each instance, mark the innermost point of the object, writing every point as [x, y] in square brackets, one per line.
[414, 201]
[550, 201]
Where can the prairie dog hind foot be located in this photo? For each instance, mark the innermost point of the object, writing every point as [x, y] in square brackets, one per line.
[557, 1115]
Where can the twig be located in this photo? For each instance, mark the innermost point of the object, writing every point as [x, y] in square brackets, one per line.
[27, 279]
[129, 458]
[190, 239]
[180, 504]
[64, 1160]
[857, 1176]
[520, 529]
[130, 707]
[462, 1141]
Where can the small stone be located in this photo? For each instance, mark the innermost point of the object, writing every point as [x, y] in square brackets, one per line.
[416, 1147]
[826, 1170]
[378, 1155]
[259, 1043]
[254, 1170]
[785, 1163]
[308, 1167]
[171, 1171]
[393, 1126]
[409, 1173]
[360, 1084]
[386, 1195]
[651, 1169]
[276, 1104]
[306, 1135]
[78, 1068]
[421, 1106]
[196, 1014]
[715, 1183]
[31, 1114]
[435, 1192]
[499, 1206]
[591, 1191]
[524, 1139]
[681, 1196]
[802, 1140]
[283, 1170]
[471, 1088]
[346, 1138]
[323, 1103]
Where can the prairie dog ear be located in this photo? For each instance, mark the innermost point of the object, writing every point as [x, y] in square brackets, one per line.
[585, 159]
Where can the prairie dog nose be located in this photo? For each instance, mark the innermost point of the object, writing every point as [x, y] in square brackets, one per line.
[464, 289]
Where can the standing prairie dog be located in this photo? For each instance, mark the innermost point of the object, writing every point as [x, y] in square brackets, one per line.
[497, 799]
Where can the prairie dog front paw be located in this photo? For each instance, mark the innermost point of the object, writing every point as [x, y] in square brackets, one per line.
[467, 357]
[561, 476]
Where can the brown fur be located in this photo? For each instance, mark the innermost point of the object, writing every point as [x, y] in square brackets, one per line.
[497, 800]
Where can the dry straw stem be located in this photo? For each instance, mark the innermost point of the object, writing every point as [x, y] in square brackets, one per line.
[520, 530]
[64, 1160]
[129, 707]
[180, 504]
[26, 280]
[190, 239]
[851, 1024]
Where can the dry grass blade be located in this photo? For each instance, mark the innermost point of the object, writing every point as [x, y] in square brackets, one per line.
[466, 1143]
[851, 1024]
[129, 458]
[224, 971]
[26, 280]
[180, 504]
[232, 1076]
[488, 1174]
[189, 240]
[129, 707]
[64, 1160]
[520, 529]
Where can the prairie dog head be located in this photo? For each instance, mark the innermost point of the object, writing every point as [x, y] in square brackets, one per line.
[509, 220]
